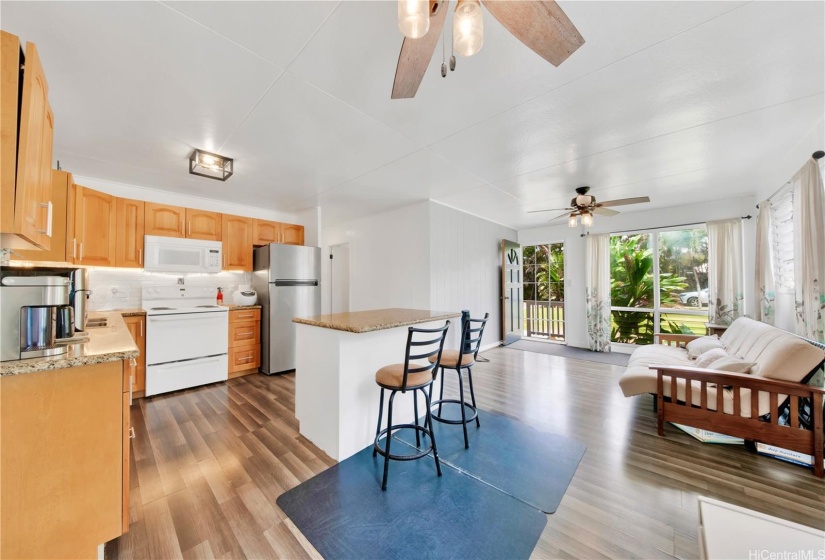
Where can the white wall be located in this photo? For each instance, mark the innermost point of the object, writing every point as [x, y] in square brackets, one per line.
[120, 288]
[465, 266]
[389, 259]
[199, 203]
[311, 220]
[574, 310]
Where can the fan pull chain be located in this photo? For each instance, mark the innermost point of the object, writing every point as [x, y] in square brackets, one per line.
[452, 48]
[443, 56]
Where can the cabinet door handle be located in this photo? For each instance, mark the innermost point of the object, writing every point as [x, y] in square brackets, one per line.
[81, 251]
[74, 247]
[132, 432]
[141, 327]
[140, 256]
[49, 209]
[189, 228]
[246, 333]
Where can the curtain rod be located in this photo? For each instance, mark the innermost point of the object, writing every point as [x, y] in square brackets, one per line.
[748, 217]
[817, 155]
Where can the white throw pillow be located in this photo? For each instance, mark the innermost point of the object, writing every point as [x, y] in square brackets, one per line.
[699, 346]
[732, 364]
[710, 356]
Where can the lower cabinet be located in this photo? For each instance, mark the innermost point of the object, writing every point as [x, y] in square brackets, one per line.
[244, 341]
[64, 461]
[137, 328]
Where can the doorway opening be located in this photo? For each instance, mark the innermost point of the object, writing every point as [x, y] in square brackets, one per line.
[543, 275]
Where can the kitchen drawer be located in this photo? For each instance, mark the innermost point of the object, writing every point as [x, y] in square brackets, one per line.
[242, 359]
[237, 315]
[244, 334]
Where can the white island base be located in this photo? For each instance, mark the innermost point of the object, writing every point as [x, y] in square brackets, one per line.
[336, 397]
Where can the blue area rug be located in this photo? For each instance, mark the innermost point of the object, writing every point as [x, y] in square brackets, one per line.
[532, 466]
[344, 514]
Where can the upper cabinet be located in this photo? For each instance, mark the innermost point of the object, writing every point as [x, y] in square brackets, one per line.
[237, 242]
[95, 227]
[168, 221]
[266, 232]
[130, 232]
[292, 234]
[61, 240]
[26, 134]
[201, 224]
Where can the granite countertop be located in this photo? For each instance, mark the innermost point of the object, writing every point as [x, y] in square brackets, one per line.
[375, 320]
[106, 344]
[133, 312]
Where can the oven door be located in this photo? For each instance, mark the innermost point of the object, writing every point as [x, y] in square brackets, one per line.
[184, 336]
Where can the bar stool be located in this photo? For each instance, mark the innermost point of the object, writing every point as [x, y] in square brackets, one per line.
[415, 377]
[458, 360]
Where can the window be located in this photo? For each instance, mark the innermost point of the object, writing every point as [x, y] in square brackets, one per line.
[543, 290]
[659, 284]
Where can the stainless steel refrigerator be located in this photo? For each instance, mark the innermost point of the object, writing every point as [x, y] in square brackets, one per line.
[288, 281]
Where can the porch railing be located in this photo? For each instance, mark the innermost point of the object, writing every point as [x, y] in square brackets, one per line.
[544, 319]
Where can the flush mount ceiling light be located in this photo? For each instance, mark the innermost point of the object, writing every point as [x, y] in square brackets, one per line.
[214, 166]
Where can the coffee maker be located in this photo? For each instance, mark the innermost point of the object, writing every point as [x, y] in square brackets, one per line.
[35, 316]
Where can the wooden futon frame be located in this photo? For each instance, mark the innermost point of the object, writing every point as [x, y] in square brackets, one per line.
[766, 429]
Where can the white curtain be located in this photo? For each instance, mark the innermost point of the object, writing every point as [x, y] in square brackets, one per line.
[809, 251]
[725, 264]
[764, 289]
[597, 290]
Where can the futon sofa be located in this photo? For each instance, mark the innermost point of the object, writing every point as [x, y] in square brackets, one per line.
[756, 357]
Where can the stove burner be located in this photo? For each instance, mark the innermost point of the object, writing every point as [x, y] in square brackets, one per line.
[161, 308]
[209, 306]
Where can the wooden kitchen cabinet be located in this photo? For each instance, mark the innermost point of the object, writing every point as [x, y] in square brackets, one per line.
[165, 220]
[266, 232]
[292, 234]
[71, 236]
[237, 242]
[60, 242]
[95, 227]
[129, 234]
[201, 224]
[244, 341]
[26, 137]
[137, 328]
[65, 460]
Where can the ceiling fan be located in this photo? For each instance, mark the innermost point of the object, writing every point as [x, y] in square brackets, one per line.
[540, 24]
[585, 205]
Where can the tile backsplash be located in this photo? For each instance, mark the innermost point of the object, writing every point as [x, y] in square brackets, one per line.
[121, 288]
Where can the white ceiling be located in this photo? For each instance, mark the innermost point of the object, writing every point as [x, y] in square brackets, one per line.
[681, 101]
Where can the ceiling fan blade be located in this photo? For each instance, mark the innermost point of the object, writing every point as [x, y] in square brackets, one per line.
[566, 214]
[540, 24]
[623, 201]
[415, 57]
[604, 211]
[550, 210]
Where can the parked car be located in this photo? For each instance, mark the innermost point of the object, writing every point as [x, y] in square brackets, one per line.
[694, 299]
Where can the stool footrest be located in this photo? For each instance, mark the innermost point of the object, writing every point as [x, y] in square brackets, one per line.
[411, 457]
[467, 420]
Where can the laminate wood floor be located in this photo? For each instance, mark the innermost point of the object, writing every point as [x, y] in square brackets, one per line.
[208, 464]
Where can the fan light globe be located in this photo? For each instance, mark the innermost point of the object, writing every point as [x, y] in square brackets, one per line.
[413, 18]
[468, 28]
[573, 221]
[587, 220]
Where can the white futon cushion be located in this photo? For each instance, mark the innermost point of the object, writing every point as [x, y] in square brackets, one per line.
[699, 346]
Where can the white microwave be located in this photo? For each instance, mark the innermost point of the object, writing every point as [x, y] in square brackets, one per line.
[172, 254]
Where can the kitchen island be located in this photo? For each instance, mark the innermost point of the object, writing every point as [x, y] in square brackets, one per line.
[337, 355]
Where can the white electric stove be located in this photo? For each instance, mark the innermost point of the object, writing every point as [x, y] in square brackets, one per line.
[187, 338]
